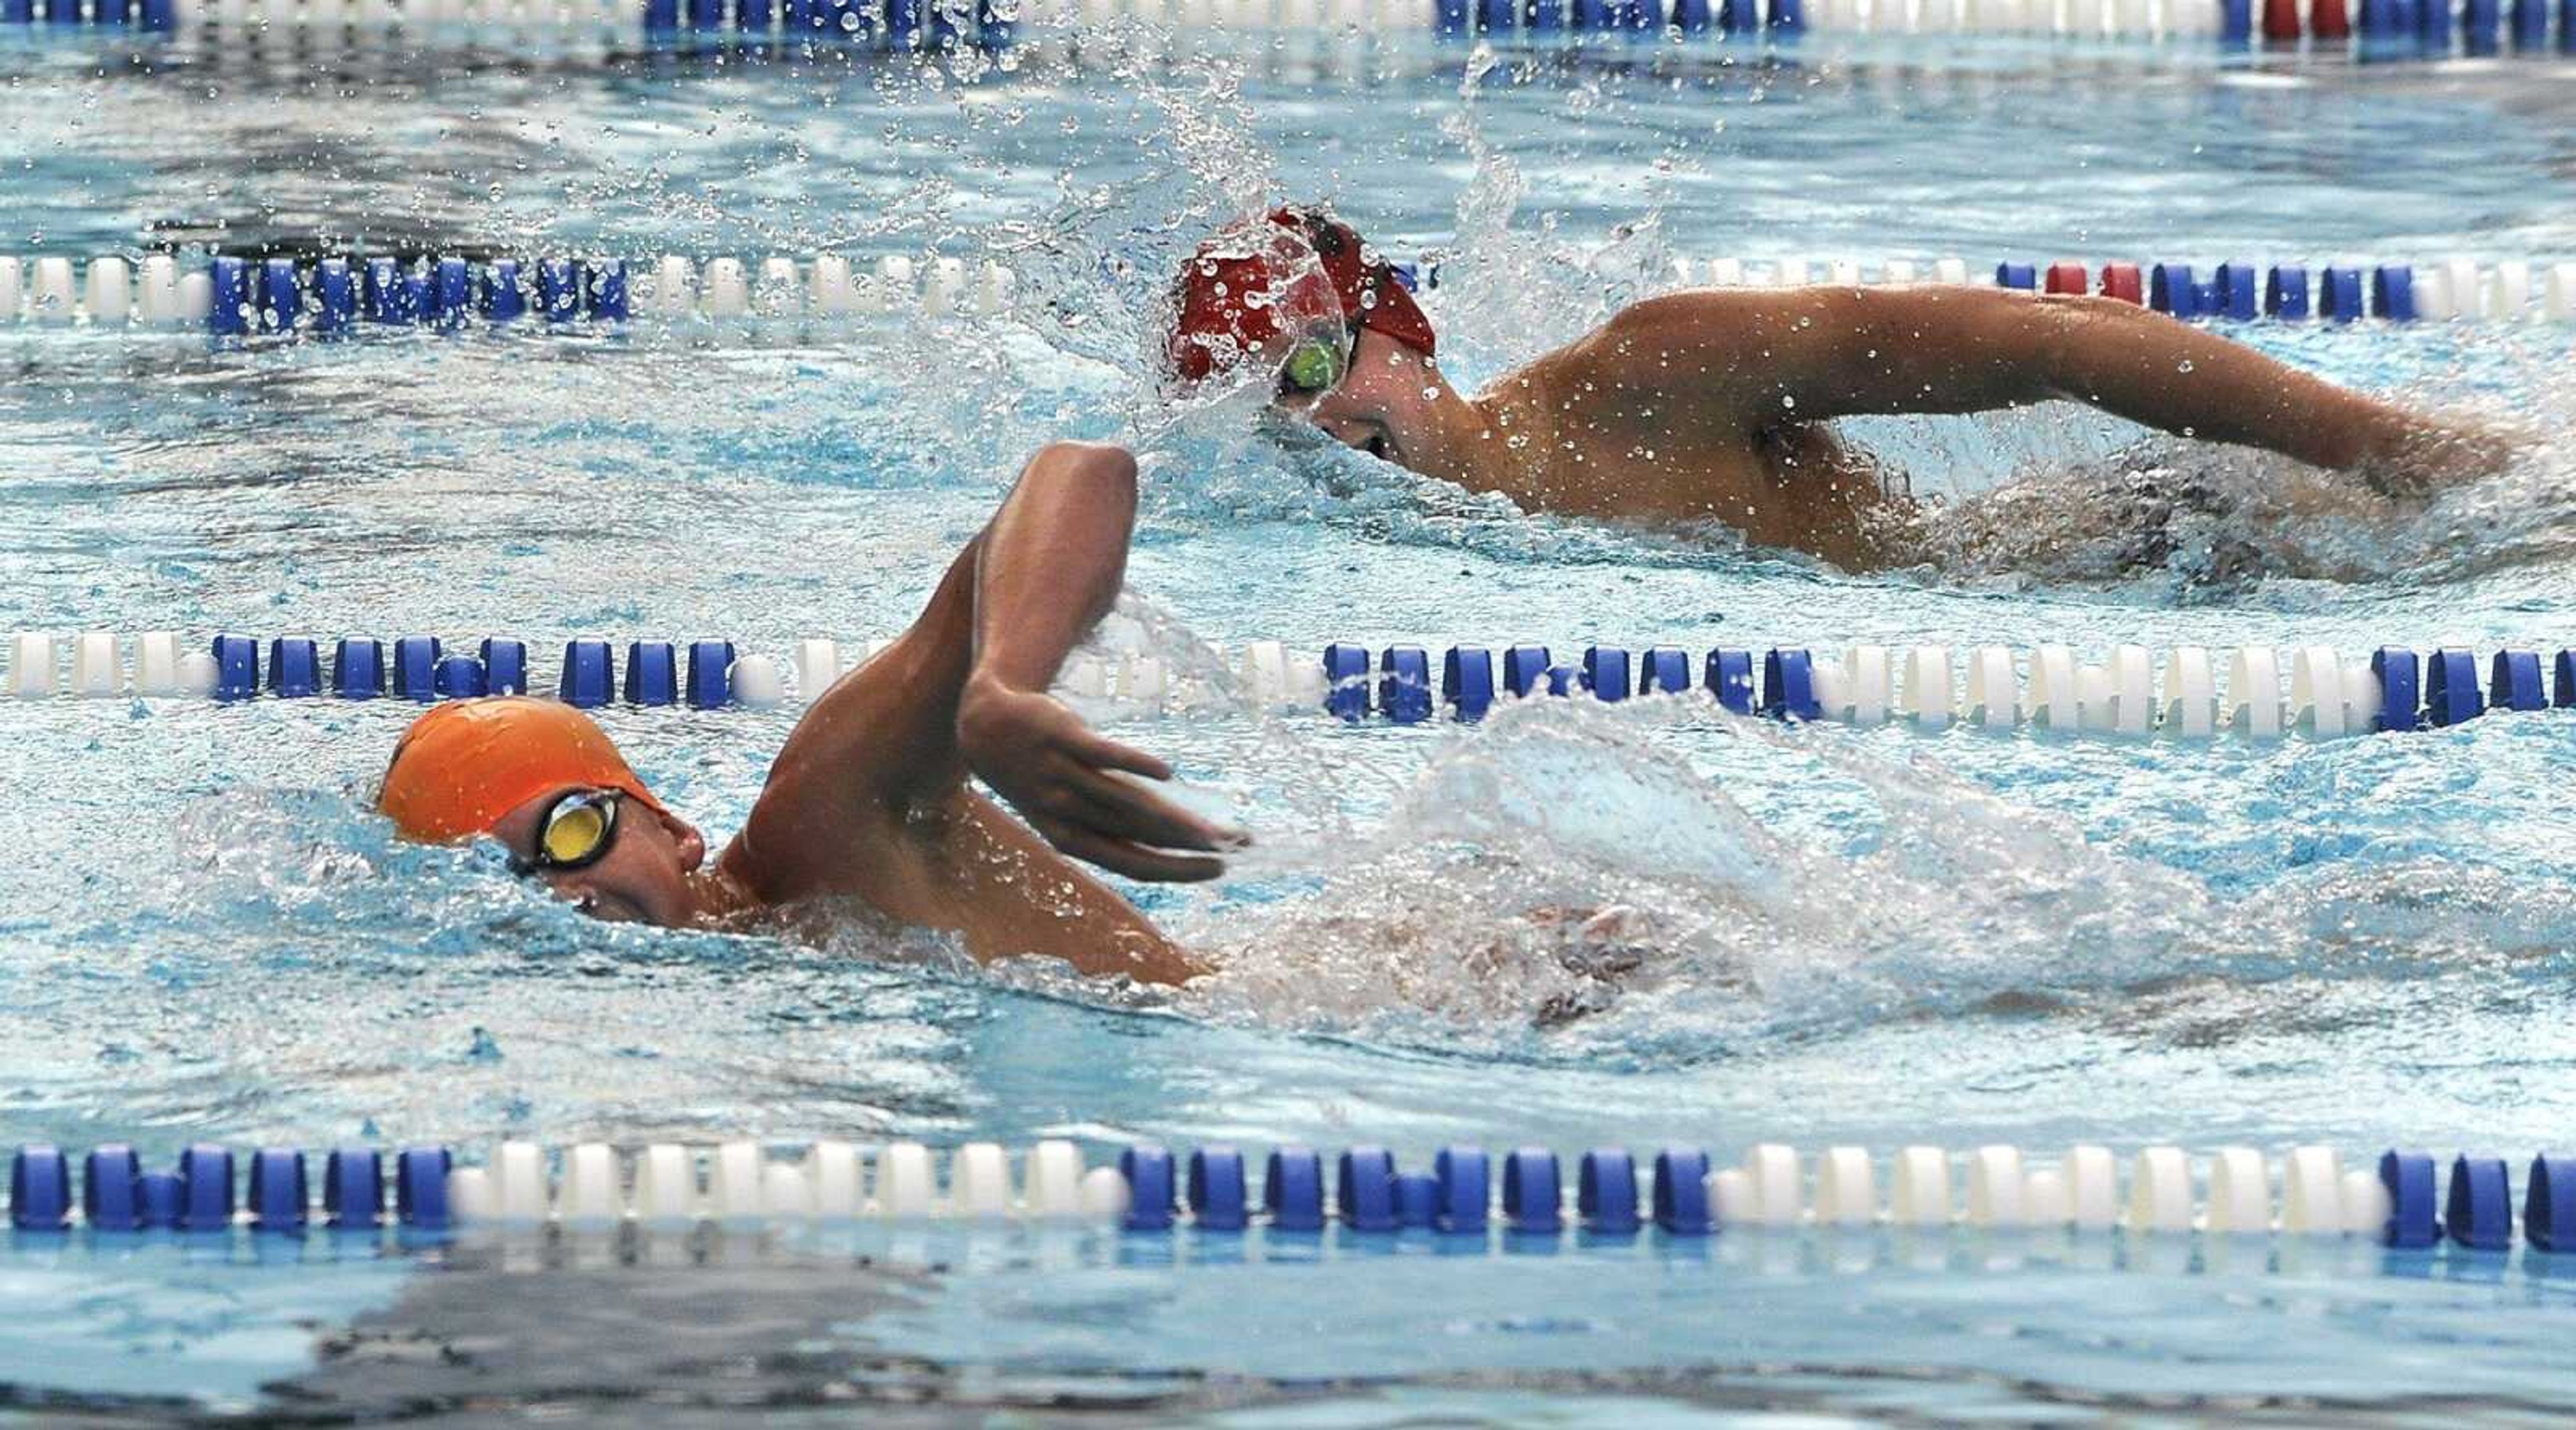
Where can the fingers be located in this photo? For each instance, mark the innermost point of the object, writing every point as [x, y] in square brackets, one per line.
[1102, 753]
[1121, 809]
[1120, 856]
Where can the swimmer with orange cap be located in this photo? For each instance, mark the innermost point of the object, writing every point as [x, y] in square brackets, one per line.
[869, 801]
[1713, 404]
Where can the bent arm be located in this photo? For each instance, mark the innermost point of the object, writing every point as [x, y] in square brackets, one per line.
[1810, 353]
[896, 739]
[1052, 562]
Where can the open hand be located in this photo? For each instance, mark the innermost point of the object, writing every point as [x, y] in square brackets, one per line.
[2438, 455]
[1063, 779]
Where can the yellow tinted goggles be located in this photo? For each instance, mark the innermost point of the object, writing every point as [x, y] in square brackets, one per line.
[578, 830]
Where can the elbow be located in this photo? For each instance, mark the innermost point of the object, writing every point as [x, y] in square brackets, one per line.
[1098, 463]
[2064, 337]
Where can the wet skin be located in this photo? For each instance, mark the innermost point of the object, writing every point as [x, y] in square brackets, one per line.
[869, 802]
[1710, 405]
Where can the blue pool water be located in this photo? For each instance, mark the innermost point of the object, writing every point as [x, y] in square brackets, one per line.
[1873, 937]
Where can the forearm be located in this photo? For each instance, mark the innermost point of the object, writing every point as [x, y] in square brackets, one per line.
[2177, 378]
[1837, 352]
[1052, 561]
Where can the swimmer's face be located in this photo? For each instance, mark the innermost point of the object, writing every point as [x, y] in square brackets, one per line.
[1383, 404]
[644, 876]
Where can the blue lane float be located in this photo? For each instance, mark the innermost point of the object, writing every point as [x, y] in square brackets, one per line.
[112, 1188]
[2171, 291]
[294, 668]
[589, 675]
[2451, 689]
[1665, 670]
[236, 667]
[2478, 1212]
[1365, 1189]
[40, 1188]
[1148, 1174]
[1465, 1179]
[1788, 686]
[1532, 1200]
[1218, 1196]
[2513, 682]
[652, 674]
[1681, 1192]
[2549, 1203]
[1467, 681]
[1605, 673]
[505, 665]
[420, 1186]
[1605, 1197]
[2414, 1216]
[2401, 690]
[2239, 293]
[1292, 1189]
[415, 672]
[1404, 684]
[353, 1188]
[1346, 681]
[1729, 679]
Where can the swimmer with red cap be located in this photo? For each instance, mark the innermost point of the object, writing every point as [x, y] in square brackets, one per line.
[868, 803]
[1714, 404]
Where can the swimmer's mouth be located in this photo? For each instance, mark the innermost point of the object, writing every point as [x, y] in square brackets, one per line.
[1296, 435]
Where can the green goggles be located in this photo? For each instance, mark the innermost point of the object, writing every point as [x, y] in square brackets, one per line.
[1314, 367]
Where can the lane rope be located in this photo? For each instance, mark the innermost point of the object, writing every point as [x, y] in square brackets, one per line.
[2377, 29]
[2189, 693]
[2406, 1199]
[242, 297]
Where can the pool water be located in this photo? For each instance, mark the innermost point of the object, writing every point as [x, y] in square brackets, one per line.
[1876, 937]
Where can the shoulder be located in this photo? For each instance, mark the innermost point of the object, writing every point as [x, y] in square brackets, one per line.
[1676, 339]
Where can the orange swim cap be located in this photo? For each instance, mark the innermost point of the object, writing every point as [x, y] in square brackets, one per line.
[462, 766]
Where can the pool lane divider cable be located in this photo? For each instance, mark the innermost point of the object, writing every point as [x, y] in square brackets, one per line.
[2365, 29]
[1927, 687]
[237, 297]
[2404, 1202]
[241, 297]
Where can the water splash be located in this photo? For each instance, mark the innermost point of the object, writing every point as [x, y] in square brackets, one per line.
[2187, 522]
[1562, 883]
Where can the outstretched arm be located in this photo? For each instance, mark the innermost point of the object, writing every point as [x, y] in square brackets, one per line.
[1821, 352]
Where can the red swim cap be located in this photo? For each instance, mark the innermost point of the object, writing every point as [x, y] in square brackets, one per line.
[1285, 273]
